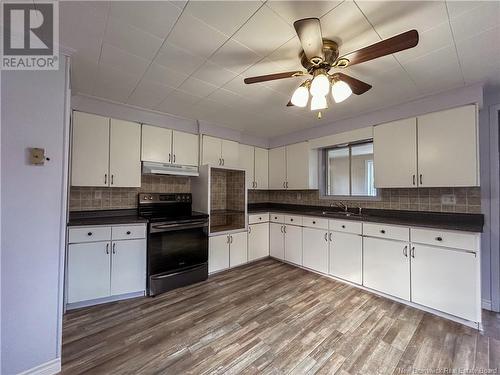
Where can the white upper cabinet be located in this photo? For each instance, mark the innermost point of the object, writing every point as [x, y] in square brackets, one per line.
[395, 154]
[246, 161]
[220, 152]
[90, 150]
[277, 168]
[125, 154]
[156, 144]
[185, 148]
[261, 173]
[447, 148]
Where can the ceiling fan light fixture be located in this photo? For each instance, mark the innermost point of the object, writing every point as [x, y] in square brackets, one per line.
[320, 84]
[300, 96]
[340, 91]
[318, 103]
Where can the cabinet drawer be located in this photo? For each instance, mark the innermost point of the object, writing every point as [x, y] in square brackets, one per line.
[128, 232]
[258, 218]
[89, 234]
[346, 226]
[277, 218]
[437, 237]
[315, 222]
[392, 232]
[293, 219]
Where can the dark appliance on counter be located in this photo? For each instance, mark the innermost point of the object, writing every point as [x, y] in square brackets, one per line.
[177, 253]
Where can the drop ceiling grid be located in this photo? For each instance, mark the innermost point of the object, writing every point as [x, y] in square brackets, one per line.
[147, 75]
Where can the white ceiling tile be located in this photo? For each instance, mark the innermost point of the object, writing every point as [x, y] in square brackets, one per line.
[292, 11]
[114, 84]
[225, 16]
[196, 36]
[131, 39]
[235, 57]
[178, 103]
[214, 74]
[178, 59]
[223, 96]
[476, 21]
[149, 94]
[264, 32]
[155, 17]
[119, 59]
[164, 76]
[393, 17]
[196, 87]
[455, 8]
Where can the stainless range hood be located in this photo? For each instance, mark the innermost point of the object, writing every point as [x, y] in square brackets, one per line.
[169, 169]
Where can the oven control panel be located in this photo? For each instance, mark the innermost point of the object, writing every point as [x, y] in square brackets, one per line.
[164, 198]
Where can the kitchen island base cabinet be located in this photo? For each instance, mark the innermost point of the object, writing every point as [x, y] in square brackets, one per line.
[445, 279]
[293, 244]
[346, 256]
[128, 266]
[276, 241]
[315, 249]
[386, 266]
[258, 241]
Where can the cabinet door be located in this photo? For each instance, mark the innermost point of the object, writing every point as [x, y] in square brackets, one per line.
[445, 280]
[395, 154]
[293, 244]
[315, 249]
[90, 150]
[297, 166]
[258, 241]
[261, 175]
[218, 253]
[238, 253]
[447, 148]
[277, 168]
[156, 144]
[230, 153]
[88, 271]
[276, 241]
[211, 150]
[128, 266]
[386, 268]
[346, 259]
[246, 161]
[125, 154]
[185, 148]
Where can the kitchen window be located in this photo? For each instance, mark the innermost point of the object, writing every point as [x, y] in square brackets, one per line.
[349, 170]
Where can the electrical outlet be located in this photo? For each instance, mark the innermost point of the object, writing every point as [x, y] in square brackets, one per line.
[97, 194]
[448, 199]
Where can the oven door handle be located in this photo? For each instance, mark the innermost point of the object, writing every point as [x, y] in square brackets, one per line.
[178, 226]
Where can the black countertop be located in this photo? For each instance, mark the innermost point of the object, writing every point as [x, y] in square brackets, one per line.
[104, 217]
[440, 220]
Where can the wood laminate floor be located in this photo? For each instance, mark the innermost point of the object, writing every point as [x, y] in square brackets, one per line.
[270, 318]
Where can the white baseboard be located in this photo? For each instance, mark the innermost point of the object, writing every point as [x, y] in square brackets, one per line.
[77, 305]
[486, 304]
[47, 368]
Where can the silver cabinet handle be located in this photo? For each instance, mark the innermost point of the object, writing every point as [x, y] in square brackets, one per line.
[413, 179]
[420, 178]
[228, 239]
[223, 162]
[283, 184]
[249, 230]
[256, 184]
[174, 158]
[112, 179]
[105, 178]
[114, 247]
[405, 251]
[107, 248]
[326, 237]
[330, 236]
[287, 184]
[220, 161]
[169, 157]
[412, 252]
[284, 228]
[231, 239]
[281, 229]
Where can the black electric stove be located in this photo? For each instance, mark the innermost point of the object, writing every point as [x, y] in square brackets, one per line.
[177, 241]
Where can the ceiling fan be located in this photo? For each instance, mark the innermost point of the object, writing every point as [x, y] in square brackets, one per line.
[319, 56]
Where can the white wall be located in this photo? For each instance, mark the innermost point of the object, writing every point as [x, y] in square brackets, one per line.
[33, 206]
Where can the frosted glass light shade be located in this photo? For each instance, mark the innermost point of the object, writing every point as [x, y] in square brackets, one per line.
[300, 96]
[318, 102]
[340, 91]
[320, 85]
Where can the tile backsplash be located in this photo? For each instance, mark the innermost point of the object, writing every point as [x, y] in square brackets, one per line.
[105, 198]
[467, 200]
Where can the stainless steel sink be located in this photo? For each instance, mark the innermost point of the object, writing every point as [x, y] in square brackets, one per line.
[339, 213]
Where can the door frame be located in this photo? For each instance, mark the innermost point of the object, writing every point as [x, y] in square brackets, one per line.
[494, 203]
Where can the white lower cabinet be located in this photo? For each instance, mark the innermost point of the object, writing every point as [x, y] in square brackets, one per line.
[315, 249]
[258, 241]
[293, 244]
[238, 253]
[346, 256]
[276, 241]
[128, 266]
[445, 279]
[226, 251]
[386, 266]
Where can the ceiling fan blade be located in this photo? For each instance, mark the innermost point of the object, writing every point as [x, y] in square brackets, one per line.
[358, 87]
[309, 32]
[272, 77]
[385, 47]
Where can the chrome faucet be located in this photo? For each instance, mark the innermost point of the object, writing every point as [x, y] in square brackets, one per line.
[341, 205]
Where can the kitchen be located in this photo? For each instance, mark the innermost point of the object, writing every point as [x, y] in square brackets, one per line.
[356, 236]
